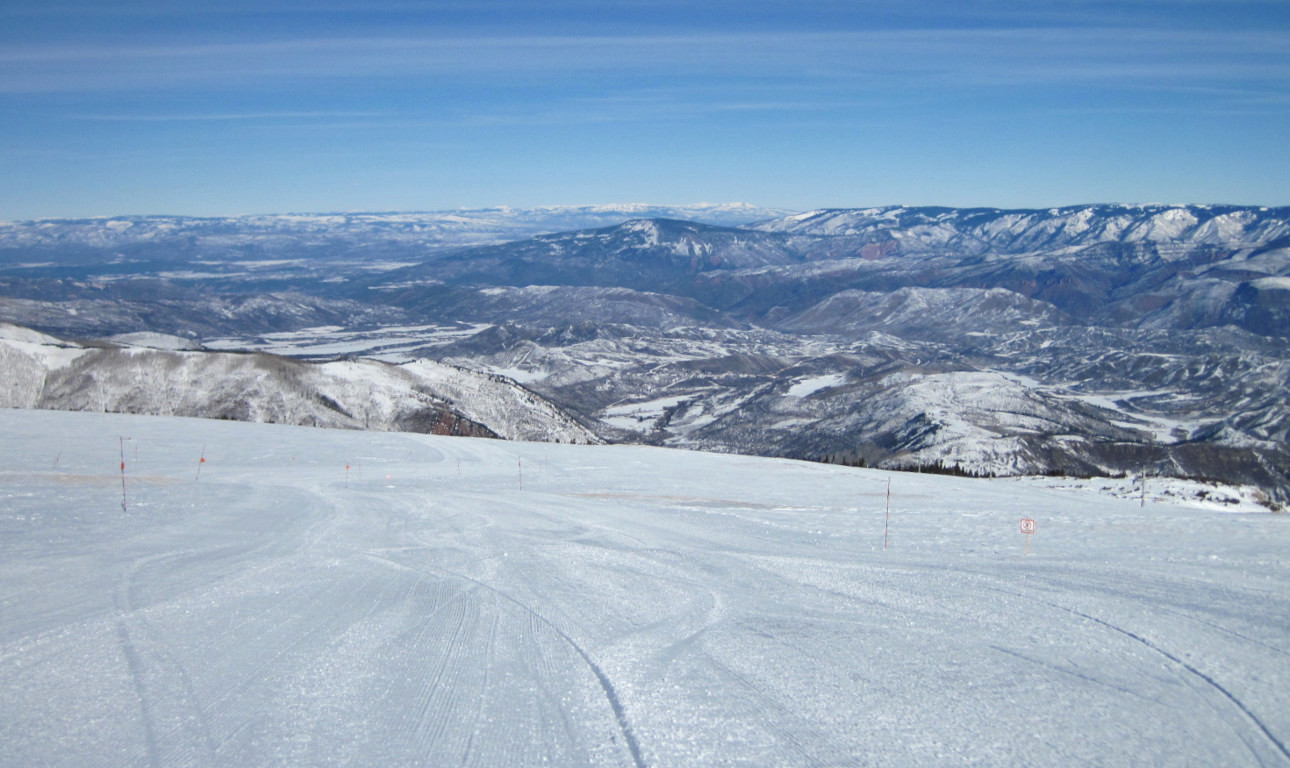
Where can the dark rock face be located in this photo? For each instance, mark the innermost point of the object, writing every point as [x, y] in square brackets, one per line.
[1262, 306]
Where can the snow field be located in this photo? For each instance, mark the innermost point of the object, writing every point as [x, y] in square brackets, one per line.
[460, 601]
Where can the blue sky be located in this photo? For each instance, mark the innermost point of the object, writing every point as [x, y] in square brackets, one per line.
[221, 108]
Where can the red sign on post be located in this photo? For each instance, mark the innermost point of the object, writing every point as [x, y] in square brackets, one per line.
[1027, 525]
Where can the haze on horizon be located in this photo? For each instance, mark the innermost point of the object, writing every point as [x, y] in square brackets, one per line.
[156, 107]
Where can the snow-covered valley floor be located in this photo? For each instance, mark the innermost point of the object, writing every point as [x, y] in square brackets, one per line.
[454, 601]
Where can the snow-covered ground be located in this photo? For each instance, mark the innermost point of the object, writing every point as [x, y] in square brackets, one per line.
[391, 344]
[314, 597]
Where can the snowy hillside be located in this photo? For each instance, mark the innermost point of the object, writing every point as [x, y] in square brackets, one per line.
[425, 396]
[957, 396]
[937, 313]
[261, 595]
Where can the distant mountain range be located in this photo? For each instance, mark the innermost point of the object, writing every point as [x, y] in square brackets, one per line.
[366, 232]
[1091, 339]
[1164, 267]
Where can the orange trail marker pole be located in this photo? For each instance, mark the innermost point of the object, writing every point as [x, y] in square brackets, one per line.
[123, 507]
[200, 462]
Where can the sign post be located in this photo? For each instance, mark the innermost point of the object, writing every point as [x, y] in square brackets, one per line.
[886, 522]
[1028, 528]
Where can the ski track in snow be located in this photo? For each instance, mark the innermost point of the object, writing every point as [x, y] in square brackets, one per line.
[459, 601]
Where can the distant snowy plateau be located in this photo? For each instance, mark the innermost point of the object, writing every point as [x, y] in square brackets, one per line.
[195, 592]
[1102, 340]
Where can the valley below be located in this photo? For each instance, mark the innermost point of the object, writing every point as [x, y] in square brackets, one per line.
[1092, 341]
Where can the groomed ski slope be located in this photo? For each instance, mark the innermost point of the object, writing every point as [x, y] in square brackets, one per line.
[451, 601]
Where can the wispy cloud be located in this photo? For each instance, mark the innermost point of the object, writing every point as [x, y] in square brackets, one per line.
[962, 57]
[214, 117]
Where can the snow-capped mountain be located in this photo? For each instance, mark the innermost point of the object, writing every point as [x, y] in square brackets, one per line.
[152, 377]
[649, 254]
[969, 231]
[1181, 267]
